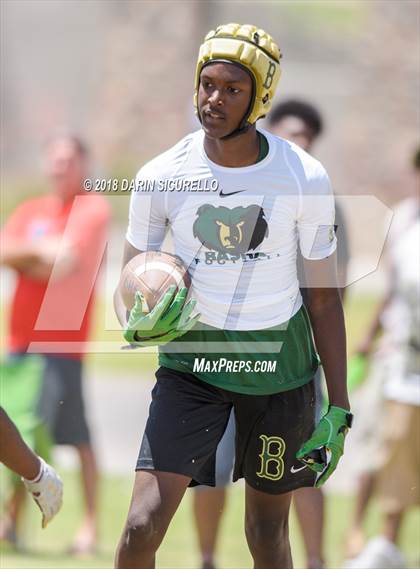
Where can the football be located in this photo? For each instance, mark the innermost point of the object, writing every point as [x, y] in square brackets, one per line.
[151, 273]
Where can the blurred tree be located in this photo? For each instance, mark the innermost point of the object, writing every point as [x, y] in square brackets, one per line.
[382, 125]
[148, 80]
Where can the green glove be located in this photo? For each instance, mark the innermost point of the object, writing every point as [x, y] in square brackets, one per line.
[169, 319]
[323, 450]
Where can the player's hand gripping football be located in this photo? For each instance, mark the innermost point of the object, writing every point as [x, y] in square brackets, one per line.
[168, 320]
[324, 449]
[47, 491]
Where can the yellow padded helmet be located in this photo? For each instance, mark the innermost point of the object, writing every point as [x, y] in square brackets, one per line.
[251, 48]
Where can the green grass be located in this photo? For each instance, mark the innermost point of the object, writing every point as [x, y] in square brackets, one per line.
[46, 547]
[359, 311]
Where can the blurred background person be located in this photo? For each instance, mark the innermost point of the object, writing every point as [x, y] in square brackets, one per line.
[209, 503]
[55, 244]
[301, 122]
[368, 367]
[394, 395]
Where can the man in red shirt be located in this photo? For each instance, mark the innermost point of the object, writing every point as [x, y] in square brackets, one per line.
[55, 243]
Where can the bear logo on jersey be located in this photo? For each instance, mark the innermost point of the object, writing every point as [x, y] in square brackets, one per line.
[234, 231]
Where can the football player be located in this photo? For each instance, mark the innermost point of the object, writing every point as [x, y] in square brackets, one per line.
[250, 345]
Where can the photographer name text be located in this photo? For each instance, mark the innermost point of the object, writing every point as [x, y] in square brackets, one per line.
[125, 185]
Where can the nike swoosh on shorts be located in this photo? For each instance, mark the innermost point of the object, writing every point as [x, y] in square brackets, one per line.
[293, 470]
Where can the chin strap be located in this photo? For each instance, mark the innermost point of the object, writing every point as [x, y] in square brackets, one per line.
[238, 131]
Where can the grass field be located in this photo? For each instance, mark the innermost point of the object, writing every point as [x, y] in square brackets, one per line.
[46, 547]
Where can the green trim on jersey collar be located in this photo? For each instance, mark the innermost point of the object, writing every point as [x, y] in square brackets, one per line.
[264, 147]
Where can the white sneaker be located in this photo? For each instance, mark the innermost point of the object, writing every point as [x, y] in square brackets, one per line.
[379, 553]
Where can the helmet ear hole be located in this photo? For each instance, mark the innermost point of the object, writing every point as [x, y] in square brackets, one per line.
[265, 98]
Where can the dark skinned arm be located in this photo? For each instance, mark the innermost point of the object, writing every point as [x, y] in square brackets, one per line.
[323, 302]
[129, 252]
[342, 280]
[14, 452]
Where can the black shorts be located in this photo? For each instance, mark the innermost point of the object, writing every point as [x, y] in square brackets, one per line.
[188, 417]
[61, 406]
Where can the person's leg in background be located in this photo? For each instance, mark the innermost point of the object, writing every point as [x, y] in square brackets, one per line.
[12, 514]
[309, 506]
[392, 525]
[309, 503]
[86, 538]
[397, 486]
[356, 535]
[367, 437]
[209, 503]
[70, 427]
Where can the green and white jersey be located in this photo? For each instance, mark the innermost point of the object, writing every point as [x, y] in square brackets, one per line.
[237, 230]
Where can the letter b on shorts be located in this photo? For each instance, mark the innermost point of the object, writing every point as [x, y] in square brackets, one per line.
[272, 465]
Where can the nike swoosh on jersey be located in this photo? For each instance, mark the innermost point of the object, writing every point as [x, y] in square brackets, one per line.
[293, 470]
[223, 195]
